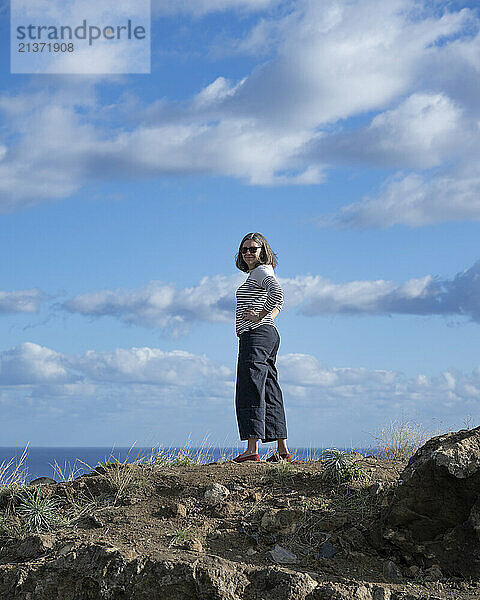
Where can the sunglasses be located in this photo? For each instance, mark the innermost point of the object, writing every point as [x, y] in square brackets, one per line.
[251, 249]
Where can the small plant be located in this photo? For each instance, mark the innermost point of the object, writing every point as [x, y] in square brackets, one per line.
[13, 472]
[311, 454]
[180, 537]
[309, 533]
[340, 466]
[8, 493]
[186, 456]
[280, 473]
[39, 512]
[9, 527]
[400, 439]
[182, 460]
[66, 473]
[120, 477]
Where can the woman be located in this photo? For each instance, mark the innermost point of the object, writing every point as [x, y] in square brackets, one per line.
[258, 398]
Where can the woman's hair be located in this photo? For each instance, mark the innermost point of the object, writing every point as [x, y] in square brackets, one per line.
[267, 256]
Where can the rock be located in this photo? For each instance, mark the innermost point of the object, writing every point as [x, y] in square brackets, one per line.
[213, 579]
[216, 493]
[244, 527]
[363, 593]
[214, 535]
[275, 583]
[167, 511]
[100, 572]
[434, 573]
[438, 506]
[251, 552]
[88, 522]
[31, 547]
[194, 544]
[42, 481]
[223, 509]
[353, 539]
[281, 555]
[326, 550]
[356, 591]
[180, 510]
[281, 520]
[376, 489]
[391, 571]
[413, 572]
[338, 591]
[235, 487]
[65, 548]
[381, 593]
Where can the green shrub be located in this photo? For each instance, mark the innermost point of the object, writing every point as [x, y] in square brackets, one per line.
[340, 466]
[38, 512]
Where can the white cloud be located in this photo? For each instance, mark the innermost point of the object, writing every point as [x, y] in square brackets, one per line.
[421, 132]
[162, 304]
[330, 61]
[428, 295]
[182, 389]
[202, 7]
[61, 375]
[339, 59]
[361, 398]
[42, 134]
[215, 93]
[103, 56]
[415, 200]
[151, 366]
[71, 12]
[165, 306]
[21, 301]
[32, 364]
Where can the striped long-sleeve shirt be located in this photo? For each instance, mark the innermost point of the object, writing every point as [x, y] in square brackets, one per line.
[260, 291]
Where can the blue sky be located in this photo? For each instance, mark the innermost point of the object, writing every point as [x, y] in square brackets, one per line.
[345, 132]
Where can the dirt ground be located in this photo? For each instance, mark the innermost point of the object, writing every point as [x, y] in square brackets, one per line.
[159, 511]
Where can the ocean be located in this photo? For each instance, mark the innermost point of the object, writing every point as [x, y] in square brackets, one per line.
[75, 461]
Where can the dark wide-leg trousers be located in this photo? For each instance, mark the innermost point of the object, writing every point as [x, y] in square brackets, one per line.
[258, 397]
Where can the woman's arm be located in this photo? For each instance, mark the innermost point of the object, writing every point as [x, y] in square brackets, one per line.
[274, 312]
[274, 301]
[252, 315]
[263, 313]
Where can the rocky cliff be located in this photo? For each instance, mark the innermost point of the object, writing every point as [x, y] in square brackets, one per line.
[227, 531]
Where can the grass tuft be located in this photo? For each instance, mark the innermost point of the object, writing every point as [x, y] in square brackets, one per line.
[279, 473]
[14, 472]
[66, 473]
[187, 456]
[180, 537]
[400, 439]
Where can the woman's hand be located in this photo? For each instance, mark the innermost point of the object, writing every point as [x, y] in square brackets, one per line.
[251, 315]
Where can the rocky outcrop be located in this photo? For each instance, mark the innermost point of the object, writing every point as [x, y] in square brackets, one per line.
[434, 518]
[231, 531]
[99, 572]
